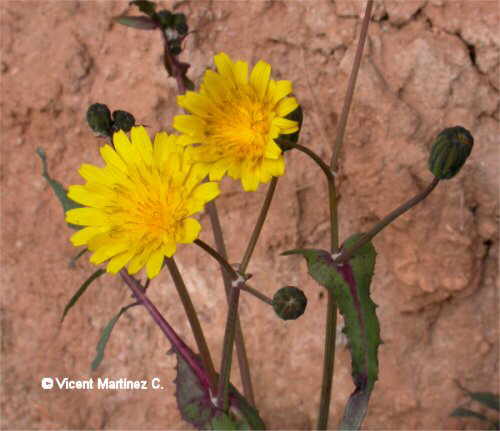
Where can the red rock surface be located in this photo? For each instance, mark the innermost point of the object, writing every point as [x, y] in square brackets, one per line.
[428, 65]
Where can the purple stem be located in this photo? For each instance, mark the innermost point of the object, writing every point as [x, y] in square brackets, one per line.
[177, 343]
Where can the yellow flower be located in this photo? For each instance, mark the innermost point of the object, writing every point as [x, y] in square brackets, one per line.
[235, 120]
[137, 207]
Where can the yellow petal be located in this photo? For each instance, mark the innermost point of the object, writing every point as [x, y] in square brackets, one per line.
[189, 124]
[240, 71]
[259, 78]
[218, 169]
[273, 151]
[107, 251]
[142, 142]
[169, 248]
[154, 264]
[86, 217]
[224, 65]
[82, 236]
[281, 90]
[86, 196]
[198, 104]
[275, 167]
[112, 158]
[119, 261]
[206, 192]
[190, 230]
[286, 126]
[249, 177]
[286, 106]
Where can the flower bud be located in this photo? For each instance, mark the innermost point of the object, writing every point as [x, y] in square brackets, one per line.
[289, 303]
[450, 151]
[122, 120]
[99, 119]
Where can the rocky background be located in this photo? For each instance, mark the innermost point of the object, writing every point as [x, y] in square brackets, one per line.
[428, 65]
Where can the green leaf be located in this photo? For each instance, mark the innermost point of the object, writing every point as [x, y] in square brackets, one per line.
[488, 399]
[138, 22]
[81, 290]
[57, 188]
[197, 408]
[461, 412]
[106, 333]
[349, 283]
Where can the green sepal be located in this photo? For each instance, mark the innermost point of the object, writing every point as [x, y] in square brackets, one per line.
[81, 291]
[58, 188]
[106, 333]
[137, 22]
[197, 407]
[349, 283]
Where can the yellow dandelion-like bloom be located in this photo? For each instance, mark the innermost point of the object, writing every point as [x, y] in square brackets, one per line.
[235, 120]
[137, 207]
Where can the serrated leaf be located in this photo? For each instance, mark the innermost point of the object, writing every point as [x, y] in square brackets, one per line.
[58, 188]
[81, 291]
[198, 409]
[488, 399]
[137, 22]
[106, 333]
[349, 283]
[461, 412]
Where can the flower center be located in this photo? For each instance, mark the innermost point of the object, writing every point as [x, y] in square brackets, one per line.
[239, 129]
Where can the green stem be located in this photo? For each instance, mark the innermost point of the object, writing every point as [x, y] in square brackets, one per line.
[368, 236]
[258, 226]
[339, 139]
[328, 363]
[227, 350]
[331, 312]
[219, 258]
[193, 321]
[317, 159]
[256, 293]
[244, 366]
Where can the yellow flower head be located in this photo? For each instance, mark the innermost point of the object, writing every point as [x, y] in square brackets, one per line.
[235, 120]
[137, 207]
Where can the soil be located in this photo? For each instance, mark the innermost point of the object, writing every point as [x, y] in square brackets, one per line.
[428, 64]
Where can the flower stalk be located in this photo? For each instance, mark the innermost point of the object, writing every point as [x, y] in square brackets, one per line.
[192, 316]
[331, 312]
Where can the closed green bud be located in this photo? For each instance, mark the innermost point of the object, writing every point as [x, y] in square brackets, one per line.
[99, 119]
[289, 303]
[122, 120]
[450, 151]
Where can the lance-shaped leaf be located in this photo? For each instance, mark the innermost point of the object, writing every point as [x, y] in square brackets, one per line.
[58, 188]
[349, 283]
[81, 291]
[106, 333]
[199, 408]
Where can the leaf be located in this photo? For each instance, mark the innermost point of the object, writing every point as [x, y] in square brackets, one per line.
[487, 399]
[58, 188]
[106, 333]
[138, 22]
[81, 290]
[349, 283]
[198, 408]
[461, 412]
